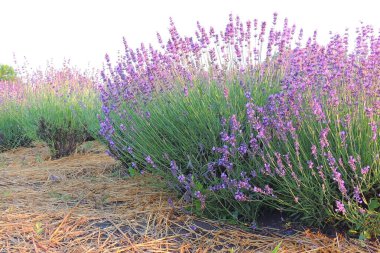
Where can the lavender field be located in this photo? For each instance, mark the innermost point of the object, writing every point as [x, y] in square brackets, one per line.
[254, 121]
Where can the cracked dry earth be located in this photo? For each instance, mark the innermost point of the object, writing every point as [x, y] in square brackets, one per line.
[82, 203]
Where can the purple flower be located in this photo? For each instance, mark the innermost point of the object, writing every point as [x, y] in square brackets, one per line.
[149, 160]
[351, 162]
[173, 168]
[267, 169]
[186, 91]
[320, 172]
[130, 150]
[225, 92]
[210, 167]
[243, 149]
[235, 125]
[314, 151]
[239, 196]
[338, 178]
[250, 113]
[374, 130]
[201, 198]
[268, 190]
[123, 128]
[170, 202]
[340, 207]
[347, 119]
[181, 178]
[343, 136]
[243, 184]
[357, 197]
[323, 138]
[365, 170]
[317, 109]
[369, 112]
[224, 177]
[224, 136]
[254, 145]
[223, 122]
[331, 159]
[281, 169]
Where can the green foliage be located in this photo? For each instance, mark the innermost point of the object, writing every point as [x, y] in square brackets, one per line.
[12, 133]
[38, 228]
[277, 248]
[13, 137]
[7, 73]
[185, 128]
[180, 128]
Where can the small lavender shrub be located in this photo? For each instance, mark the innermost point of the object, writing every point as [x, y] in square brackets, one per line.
[61, 139]
[239, 124]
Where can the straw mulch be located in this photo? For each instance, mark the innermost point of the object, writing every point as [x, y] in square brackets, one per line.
[82, 204]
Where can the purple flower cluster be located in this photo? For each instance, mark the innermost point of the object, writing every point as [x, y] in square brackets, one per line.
[11, 91]
[150, 162]
[340, 207]
[201, 198]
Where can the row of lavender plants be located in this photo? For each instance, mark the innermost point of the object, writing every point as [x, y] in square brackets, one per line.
[253, 119]
[12, 134]
[58, 106]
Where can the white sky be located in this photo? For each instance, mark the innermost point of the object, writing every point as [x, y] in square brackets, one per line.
[84, 30]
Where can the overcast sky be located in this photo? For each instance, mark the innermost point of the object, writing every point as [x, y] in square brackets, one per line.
[84, 30]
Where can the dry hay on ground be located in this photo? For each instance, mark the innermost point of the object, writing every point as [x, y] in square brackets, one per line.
[77, 204]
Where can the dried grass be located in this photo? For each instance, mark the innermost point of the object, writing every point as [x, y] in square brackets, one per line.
[76, 204]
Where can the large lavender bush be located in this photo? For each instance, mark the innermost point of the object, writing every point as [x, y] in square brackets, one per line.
[239, 124]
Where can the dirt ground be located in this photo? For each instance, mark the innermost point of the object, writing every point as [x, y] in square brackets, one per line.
[82, 204]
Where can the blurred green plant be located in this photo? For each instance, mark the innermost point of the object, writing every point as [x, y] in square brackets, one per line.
[7, 73]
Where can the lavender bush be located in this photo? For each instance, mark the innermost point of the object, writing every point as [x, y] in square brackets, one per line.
[239, 124]
[65, 100]
[12, 133]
